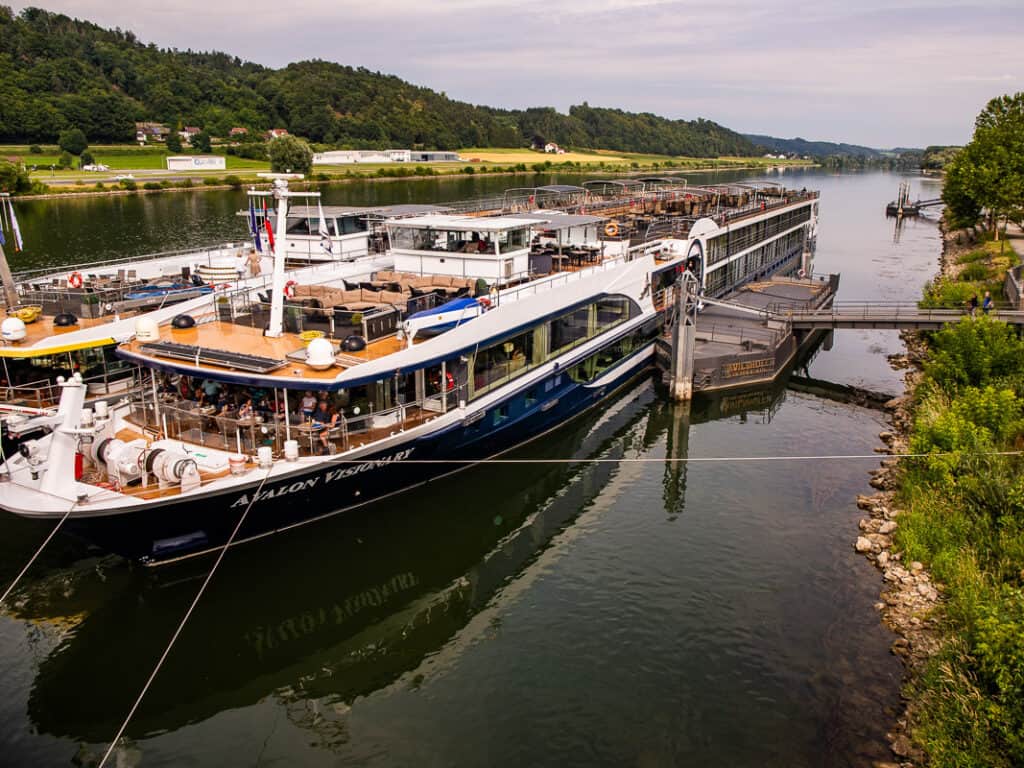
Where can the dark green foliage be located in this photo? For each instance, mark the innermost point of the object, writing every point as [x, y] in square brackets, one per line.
[173, 142]
[964, 517]
[129, 184]
[65, 160]
[152, 185]
[988, 174]
[201, 142]
[73, 141]
[56, 72]
[290, 154]
[13, 178]
[212, 181]
[35, 149]
[233, 181]
[87, 158]
[973, 271]
[974, 353]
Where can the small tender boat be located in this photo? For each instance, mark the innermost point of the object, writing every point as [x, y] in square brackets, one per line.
[449, 315]
[167, 288]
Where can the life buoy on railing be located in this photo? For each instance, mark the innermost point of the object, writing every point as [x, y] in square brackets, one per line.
[484, 302]
[75, 280]
[801, 273]
[289, 289]
[611, 229]
[449, 381]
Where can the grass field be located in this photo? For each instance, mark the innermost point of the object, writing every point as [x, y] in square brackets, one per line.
[147, 166]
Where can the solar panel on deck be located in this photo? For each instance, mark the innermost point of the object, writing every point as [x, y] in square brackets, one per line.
[222, 357]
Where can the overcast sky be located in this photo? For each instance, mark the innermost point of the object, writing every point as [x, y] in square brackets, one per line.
[878, 72]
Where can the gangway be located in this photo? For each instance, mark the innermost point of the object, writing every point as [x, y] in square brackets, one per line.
[885, 315]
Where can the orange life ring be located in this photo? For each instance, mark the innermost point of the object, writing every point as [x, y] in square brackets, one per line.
[611, 229]
[289, 289]
[484, 302]
[75, 280]
[449, 381]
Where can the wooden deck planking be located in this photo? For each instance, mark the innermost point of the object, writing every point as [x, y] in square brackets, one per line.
[251, 341]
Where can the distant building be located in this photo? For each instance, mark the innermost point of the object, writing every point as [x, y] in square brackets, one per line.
[276, 133]
[236, 132]
[196, 163]
[436, 157]
[347, 156]
[151, 132]
[188, 132]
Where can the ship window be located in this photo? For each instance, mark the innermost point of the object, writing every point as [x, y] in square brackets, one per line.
[500, 414]
[569, 330]
[502, 361]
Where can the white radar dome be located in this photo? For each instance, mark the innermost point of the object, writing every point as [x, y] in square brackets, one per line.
[320, 354]
[146, 329]
[12, 329]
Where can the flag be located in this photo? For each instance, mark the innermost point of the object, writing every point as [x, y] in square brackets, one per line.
[18, 244]
[254, 228]
[325, 235]
[270, 230]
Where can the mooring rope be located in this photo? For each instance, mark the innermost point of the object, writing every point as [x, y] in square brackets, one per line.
[38, 552]
[181, 625]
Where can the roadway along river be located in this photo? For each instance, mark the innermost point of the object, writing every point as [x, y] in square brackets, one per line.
[637, 613]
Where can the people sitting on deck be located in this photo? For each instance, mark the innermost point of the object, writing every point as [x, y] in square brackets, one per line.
[325, 418]
[308, 405]
[246, 410]
[199, 398]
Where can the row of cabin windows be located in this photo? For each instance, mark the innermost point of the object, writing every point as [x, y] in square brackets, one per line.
[740, 269]
[452, 241]
[583, 372]
[347, 225]
[742, 238]
[512, 356]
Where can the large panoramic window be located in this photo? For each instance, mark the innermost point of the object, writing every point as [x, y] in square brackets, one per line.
[502, 361]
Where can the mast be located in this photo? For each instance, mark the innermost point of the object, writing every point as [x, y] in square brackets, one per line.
[10, 294]
[281, 194]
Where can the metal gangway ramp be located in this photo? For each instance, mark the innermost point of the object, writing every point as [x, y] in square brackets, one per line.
[887, 315]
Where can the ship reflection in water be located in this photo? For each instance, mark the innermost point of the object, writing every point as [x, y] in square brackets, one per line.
[342, 609]
[323, 624]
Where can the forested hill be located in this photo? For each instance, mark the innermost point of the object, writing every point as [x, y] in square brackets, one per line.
[812, 148]
[57, 73]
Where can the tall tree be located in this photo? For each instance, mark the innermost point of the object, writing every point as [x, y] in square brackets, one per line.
[988, 174]
[289, 154]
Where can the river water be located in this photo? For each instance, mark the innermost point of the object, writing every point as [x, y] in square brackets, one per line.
[616, 609]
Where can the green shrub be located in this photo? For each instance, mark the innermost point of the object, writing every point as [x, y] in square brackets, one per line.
[975, 270]
[152, 185]
[233, 181]
[974, 352]
[35, 149]
[212, 181]
[129, 184]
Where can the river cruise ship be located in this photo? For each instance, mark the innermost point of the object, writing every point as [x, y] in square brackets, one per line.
[476, 334]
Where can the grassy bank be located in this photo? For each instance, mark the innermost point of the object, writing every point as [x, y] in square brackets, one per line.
[148, 166]
[964, 519]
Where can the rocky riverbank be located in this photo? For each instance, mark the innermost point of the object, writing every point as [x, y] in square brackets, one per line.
[910, 597]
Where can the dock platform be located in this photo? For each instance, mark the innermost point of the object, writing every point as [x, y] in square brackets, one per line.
[744, 339]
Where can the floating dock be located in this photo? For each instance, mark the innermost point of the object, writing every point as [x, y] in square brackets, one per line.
[744, 339]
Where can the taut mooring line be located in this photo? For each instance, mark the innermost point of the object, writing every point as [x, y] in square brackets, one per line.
[39, 551]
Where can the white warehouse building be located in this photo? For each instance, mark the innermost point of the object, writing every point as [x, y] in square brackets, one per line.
[345, 156]
[196, 163]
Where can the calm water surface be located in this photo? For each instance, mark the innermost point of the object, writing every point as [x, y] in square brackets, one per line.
[642, 612]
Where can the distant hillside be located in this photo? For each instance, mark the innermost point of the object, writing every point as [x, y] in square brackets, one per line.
[56, 73]
[811, 148]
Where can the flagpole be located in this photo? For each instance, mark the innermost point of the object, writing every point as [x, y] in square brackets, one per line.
[10, 294]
